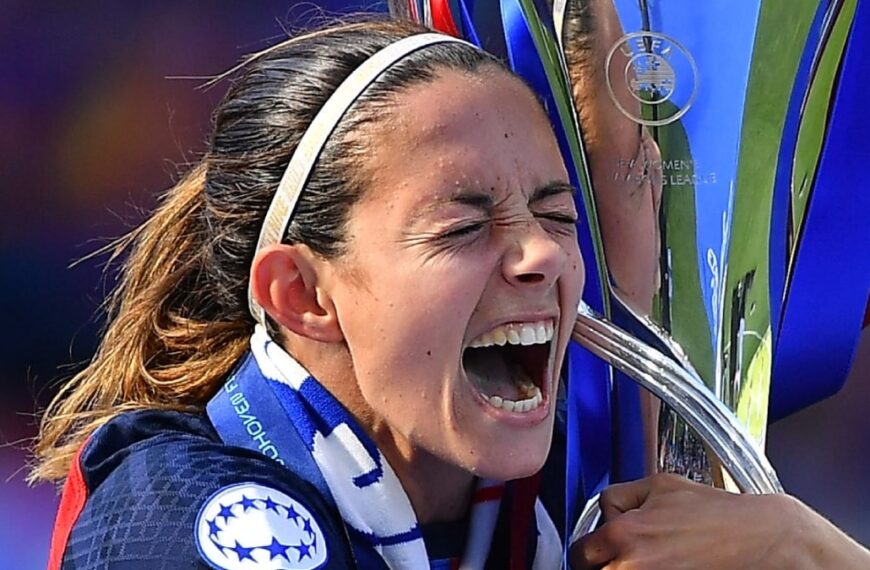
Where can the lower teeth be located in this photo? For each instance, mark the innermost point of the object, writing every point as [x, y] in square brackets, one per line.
[525, 405]
[493, 374]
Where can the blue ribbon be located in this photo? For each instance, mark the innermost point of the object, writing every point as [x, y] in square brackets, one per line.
[247, 413]
[779, 221]
[825, 300]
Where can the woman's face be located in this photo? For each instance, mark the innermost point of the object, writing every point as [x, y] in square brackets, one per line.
[460, 285]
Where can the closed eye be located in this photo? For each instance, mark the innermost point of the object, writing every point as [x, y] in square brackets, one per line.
[558, 217]
[558, 223]
[462, 231]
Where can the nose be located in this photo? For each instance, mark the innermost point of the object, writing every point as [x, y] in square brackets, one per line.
[533, 258]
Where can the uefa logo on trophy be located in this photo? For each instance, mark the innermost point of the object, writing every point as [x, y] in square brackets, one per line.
[660, 74]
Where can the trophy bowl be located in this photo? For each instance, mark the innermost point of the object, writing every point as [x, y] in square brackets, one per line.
[697, 133]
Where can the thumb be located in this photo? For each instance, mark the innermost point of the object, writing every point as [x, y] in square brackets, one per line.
[623, 497]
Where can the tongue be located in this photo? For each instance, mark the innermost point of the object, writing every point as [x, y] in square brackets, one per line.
[491, 374]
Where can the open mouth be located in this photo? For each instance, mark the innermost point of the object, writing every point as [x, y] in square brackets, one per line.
[509, 365]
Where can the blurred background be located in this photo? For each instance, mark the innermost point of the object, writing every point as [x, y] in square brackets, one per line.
[100, 110]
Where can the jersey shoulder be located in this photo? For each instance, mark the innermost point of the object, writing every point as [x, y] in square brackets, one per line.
[164, 492]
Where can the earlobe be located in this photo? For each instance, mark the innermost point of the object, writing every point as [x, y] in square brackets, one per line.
[285, 281]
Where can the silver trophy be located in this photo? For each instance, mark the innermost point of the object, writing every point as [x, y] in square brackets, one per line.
[683, 108]
[675, 117]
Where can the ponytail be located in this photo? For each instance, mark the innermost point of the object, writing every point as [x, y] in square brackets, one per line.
[155, 352]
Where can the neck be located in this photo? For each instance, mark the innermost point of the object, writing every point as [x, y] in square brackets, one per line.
[438, 491]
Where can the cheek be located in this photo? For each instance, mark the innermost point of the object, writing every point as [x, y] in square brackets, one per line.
[575, 271]
[578, 268]
[571, 289]
[410, 321]
[433, 295]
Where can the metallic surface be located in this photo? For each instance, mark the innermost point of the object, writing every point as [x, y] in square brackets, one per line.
[691, 400]
[709, 84]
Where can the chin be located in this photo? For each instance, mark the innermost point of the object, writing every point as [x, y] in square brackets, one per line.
[510, 470]
[515, 457]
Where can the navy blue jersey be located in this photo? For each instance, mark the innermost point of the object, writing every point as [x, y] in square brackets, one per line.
[147, 475]
[159, 490]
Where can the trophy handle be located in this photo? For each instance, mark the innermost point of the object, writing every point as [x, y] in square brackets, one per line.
[687, 395]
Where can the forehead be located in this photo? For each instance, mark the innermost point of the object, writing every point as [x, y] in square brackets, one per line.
[460, 130]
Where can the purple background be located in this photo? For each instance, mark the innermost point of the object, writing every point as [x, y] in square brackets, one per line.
[93, 125]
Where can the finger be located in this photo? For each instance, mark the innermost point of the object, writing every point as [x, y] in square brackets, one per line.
[591, 552]
[623, 497]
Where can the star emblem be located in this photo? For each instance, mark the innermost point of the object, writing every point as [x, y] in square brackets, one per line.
[242, 552]
[213, 528]
[247, 503]
[226, 512]
[270, 504]
[306, 527]
[304, 550]
[254, 531]
[277, 549]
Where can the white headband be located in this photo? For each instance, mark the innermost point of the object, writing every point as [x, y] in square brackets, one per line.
[318, 132]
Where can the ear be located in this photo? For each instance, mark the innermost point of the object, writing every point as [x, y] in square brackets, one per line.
[284, 281]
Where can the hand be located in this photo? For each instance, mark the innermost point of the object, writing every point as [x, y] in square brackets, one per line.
[667, 522]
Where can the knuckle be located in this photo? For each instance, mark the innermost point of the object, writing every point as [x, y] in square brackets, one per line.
[622, 531]
[608, 495]
[667, 481]
[610, 534]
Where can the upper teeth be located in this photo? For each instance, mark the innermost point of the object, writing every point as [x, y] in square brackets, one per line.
[537, 332]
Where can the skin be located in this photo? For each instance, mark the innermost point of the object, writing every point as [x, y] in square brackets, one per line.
[478, 232]
[666, 522]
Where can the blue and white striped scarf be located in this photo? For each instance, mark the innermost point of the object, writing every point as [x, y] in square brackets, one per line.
[359, 477]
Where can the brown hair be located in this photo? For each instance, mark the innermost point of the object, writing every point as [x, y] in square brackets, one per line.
[178, 317]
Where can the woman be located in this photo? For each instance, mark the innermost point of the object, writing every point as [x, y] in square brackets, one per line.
[342, 376]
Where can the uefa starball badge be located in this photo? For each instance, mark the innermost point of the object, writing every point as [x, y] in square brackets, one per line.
[249, 526]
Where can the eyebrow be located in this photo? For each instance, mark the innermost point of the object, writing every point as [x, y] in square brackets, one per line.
[475, 199]
[485, 201]
[551, 189]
